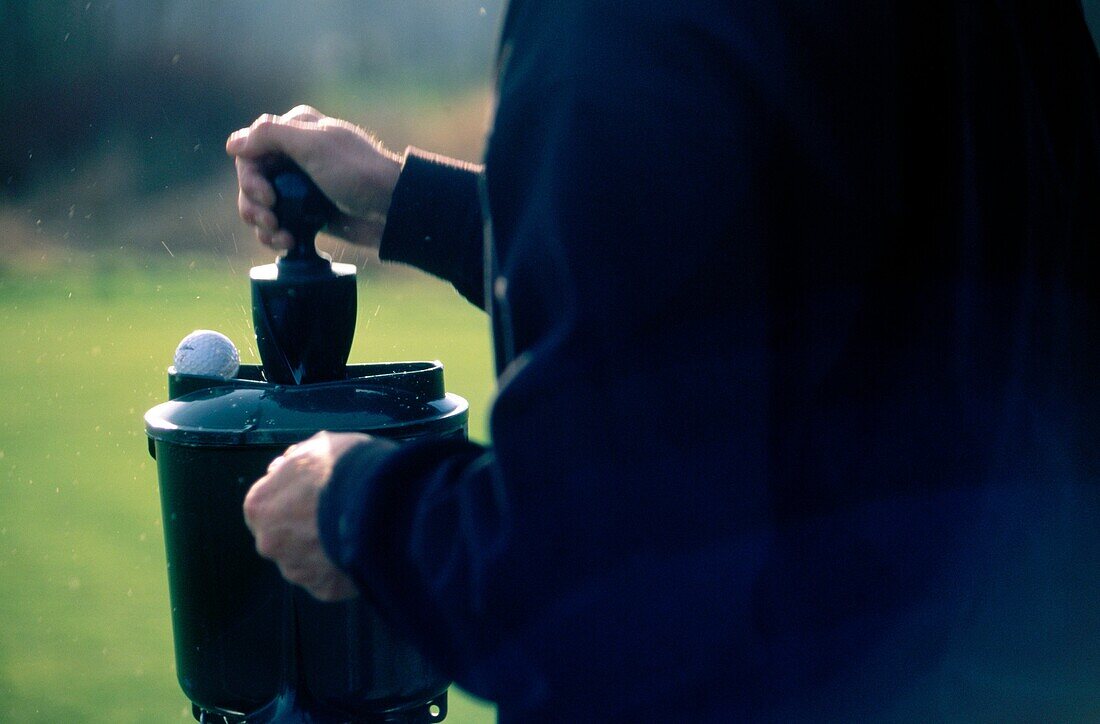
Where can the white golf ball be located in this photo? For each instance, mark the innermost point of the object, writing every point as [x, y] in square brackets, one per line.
[209, 353]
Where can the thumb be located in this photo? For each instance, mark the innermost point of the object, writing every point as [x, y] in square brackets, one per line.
[272, 135]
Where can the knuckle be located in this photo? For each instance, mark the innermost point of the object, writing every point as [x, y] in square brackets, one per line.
[294, 574]
[251, 186]
[254, 498]
[260, 191]
[324, 588]
[252, 510]
[303, 109]
[260, 130]
[245, 168]
[264, 545]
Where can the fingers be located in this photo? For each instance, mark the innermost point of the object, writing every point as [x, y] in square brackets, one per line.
[272, 135]
[255, 203]
[303, 113]
[269, 134]
[349, 165]
[281, 512]
[307, 566]
[253, 503]
[252, 182]
[256, 213]
[263, 220]
[288, 133]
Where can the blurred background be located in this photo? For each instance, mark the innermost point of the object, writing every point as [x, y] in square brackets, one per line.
[119, 235]
[114, 113]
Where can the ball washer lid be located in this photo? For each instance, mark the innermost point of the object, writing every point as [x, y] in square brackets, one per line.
[396, 400]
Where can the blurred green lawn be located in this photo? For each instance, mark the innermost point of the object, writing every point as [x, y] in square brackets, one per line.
[84, 616]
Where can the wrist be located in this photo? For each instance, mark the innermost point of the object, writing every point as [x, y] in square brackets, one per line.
[382, 174]
[364, 226]
[360, 231]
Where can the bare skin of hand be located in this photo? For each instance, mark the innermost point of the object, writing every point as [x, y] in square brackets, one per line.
[348, 164]
[281, 511]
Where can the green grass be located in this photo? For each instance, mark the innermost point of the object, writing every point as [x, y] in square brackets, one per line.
[84, 616]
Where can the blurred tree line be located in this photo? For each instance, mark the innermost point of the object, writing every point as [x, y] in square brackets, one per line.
[141, 93]
[155, 85]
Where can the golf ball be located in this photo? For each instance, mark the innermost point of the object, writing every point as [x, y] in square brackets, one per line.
[209, 353]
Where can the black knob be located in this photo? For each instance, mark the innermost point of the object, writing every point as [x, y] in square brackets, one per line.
[303, 305]
[300, 207]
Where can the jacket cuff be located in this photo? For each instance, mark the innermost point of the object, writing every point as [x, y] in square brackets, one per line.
[343, 503]
[367, 522]
[434, 221]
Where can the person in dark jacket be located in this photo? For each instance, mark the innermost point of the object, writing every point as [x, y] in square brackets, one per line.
[794, 309]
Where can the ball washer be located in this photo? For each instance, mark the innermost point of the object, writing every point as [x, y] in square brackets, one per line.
[249, 646]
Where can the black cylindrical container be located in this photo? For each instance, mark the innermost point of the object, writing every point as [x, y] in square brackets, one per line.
[303, 305]
[304, 316]
[247, 643]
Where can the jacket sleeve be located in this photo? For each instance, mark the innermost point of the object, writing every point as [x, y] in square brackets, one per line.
[519, 568]
[710, 473]
[434, 222]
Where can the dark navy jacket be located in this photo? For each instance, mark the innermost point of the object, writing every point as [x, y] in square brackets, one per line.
[795, 306]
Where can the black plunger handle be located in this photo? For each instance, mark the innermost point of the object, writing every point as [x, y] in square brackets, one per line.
[300, 207]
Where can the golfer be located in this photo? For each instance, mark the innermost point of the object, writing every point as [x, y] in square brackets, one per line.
[795, 312]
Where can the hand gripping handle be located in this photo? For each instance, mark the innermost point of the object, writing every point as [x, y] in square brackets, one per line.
[300, 207]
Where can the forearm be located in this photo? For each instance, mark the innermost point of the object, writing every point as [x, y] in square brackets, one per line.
[435, 223]
[377, 519]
